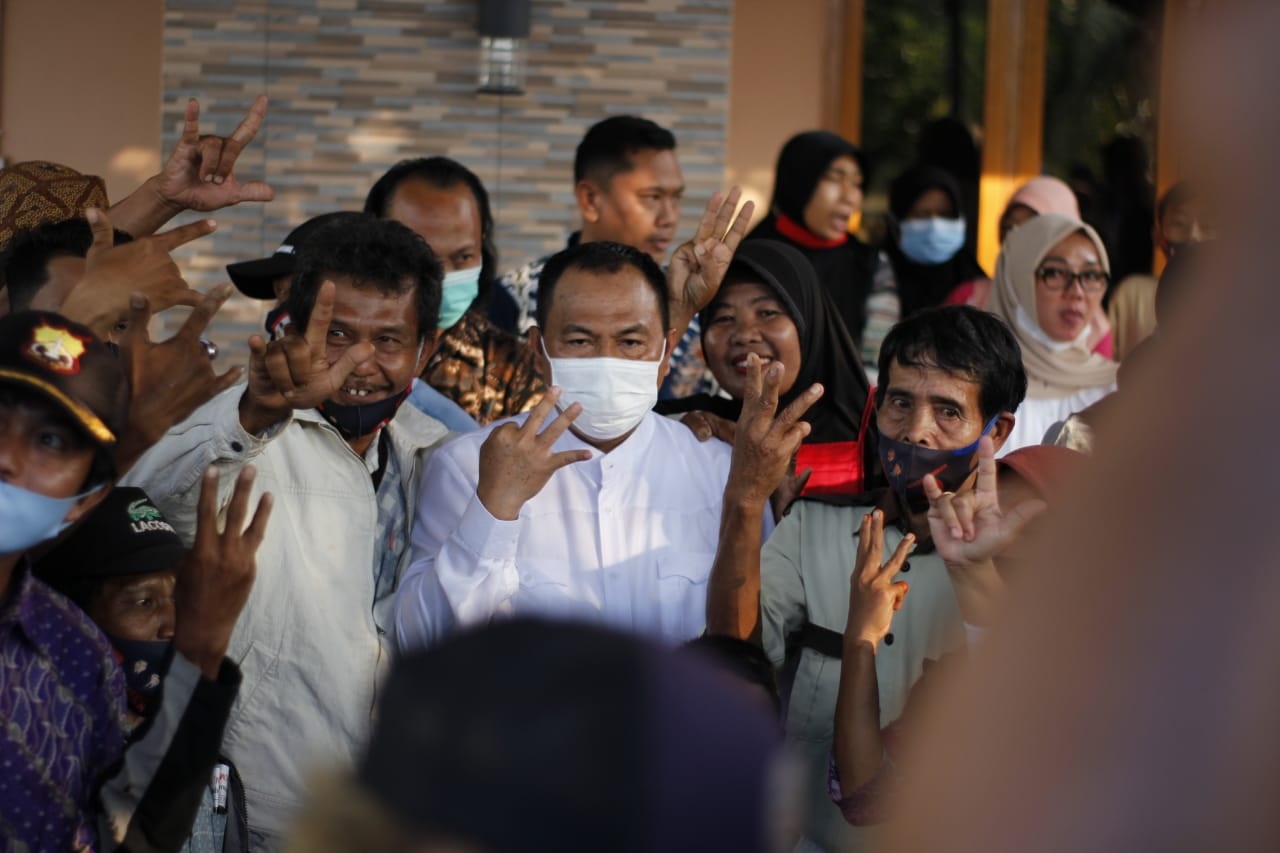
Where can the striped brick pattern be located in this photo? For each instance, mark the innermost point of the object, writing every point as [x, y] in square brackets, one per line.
[357, 85]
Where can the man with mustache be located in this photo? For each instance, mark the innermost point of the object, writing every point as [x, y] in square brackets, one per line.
[321, 419]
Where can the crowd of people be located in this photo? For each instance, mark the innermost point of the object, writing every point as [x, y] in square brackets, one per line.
[659, 542]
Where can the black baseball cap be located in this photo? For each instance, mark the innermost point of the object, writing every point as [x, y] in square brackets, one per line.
[67, 363]
[124, 535]
[255, 278]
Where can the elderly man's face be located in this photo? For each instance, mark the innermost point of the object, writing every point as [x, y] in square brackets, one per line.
[388, 322]
[933, 408]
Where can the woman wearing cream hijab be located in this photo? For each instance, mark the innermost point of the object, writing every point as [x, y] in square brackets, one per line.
[1048, 287]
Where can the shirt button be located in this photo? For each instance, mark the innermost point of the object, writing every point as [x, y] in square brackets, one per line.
[906, 567]
[237, 446]
[888, 639]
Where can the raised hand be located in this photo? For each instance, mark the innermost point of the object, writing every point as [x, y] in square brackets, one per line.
[293, 371]
[171, 379]
[874, 595]
[101, 299]
[698, 266]
[215, 579]
[764, 446]
[517, 461]
[971, 527]
[199, 174]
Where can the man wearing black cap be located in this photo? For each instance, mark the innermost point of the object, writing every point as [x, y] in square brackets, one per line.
[121, 566]
[268, 278]
[63, 398]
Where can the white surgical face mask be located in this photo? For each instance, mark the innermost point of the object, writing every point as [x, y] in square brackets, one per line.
[615, 393]
[28, 518]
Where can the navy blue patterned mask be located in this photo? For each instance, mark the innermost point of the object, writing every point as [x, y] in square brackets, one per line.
[906, 465]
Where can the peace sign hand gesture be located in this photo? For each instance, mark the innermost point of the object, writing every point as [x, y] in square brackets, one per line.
[293, 371]
[764, 446]
[874, 595]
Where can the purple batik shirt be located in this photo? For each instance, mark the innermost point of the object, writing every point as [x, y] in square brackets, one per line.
[62, 719]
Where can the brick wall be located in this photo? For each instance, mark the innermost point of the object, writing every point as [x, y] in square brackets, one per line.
[356, 85]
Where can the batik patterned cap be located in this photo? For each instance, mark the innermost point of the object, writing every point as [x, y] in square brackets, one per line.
[37, 192]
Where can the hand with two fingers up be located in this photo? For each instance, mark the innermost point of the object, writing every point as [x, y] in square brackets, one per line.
[874, 595]
[765, 445]
[293, 371]
[516, 462]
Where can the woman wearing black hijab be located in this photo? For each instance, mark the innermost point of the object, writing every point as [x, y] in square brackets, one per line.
[771, 304]
[817, 188]
[930, 260]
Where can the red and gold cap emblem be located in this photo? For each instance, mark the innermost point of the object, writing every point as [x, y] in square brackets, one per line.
[57, 349]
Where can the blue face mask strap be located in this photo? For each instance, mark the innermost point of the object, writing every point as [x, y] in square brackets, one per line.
[970, 448]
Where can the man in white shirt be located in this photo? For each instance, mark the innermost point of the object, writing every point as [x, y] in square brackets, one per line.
[606, 512]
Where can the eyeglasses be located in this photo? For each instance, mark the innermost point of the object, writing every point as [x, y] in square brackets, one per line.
[1061, 278]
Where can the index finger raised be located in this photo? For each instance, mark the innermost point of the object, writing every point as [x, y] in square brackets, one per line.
[191, 123]
[725, 214]
[321, 316]
[985, 487]
[139, 318]
[707, 224]
[183, 234]
[739, 228]
[198, 320]
[557, 427]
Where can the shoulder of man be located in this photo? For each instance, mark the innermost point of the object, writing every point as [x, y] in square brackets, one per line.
[415, 428]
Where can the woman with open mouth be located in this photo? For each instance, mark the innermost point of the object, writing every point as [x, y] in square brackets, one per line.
[1050, 278]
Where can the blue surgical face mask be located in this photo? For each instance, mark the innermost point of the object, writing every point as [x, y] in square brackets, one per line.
[932, 241]
[460, 289]
[28, 518]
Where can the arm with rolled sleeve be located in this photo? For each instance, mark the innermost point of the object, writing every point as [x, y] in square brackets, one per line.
[463, 563]
[170, 471]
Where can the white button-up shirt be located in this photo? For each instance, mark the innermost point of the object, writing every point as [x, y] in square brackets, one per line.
[625, 538]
